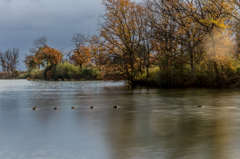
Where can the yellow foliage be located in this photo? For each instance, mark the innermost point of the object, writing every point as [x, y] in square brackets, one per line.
[219, 47]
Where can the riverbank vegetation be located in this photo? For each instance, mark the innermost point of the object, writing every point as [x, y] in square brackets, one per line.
[161, 43]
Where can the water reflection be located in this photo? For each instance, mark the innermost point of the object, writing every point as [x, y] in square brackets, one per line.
[152, 123]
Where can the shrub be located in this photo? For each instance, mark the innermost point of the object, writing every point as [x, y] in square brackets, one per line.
[37, 74]
[172, 78]
[69, 71]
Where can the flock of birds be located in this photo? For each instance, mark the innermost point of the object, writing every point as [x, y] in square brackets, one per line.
[35, 108]
[55, 108]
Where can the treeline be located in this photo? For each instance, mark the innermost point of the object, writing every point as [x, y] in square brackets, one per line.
[165, 43]
[170, 43]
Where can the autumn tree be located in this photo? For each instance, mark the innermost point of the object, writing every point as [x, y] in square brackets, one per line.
[220, 49]
[237, 35]
[121, 33]
[44, 56]
[82, 53]
[98, 52]
[48, 55]
[235, 8]
[31, 61]
[216, 22]
[147, 45]
[195, 19]
[164, 34]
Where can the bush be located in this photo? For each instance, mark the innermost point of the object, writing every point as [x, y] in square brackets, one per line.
[37, 74]
[69, 71]
[172, 78]
[95, 72]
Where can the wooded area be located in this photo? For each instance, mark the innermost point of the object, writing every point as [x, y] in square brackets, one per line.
[165, 43]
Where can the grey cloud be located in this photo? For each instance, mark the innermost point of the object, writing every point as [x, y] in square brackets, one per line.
[21, 21]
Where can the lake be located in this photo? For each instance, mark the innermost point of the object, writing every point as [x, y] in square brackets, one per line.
[148, 123]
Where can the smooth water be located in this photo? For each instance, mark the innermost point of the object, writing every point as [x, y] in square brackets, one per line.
[154, 123]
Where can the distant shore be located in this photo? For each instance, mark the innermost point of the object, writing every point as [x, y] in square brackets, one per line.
[233, 82]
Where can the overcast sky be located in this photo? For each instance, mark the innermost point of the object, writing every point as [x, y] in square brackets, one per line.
[22, 21]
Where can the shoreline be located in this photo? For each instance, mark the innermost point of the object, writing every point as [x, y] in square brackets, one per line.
[148, 83]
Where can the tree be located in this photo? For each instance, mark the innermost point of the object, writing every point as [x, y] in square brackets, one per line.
[82, 53]
[32, 62]
[164, 34]
[121, 34]
[9, 60]
[3, 62]
[195, 19]
[49, 55]
[43, 54]
[38, 43]
[235, 7]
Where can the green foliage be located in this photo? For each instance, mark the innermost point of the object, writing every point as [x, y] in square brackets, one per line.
[172, 78]
[95, 72]
[69, 71]
[37, 74]
[151, 73]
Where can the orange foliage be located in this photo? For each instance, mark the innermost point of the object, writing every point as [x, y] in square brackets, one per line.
[122, 30]
[81, 56]
[31, 61]
[50, 55]
[43, 55]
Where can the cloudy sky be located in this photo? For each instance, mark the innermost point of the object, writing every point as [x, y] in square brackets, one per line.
[22, 21]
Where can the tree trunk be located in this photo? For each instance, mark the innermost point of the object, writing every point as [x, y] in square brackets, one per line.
[192, 65]
[216, 70]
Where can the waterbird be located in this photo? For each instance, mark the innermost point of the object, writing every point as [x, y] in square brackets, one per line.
[92, 107]
[34, 108]
[115, 106]
[55, 108]
[73, 107]
[199, 106]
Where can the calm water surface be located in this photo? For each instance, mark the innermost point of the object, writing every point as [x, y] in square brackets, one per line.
[154, 123]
